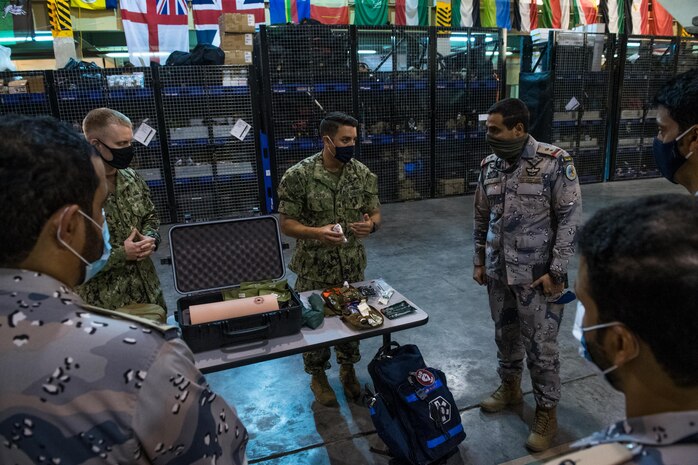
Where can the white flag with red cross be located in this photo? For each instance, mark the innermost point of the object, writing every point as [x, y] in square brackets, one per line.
[154, 29]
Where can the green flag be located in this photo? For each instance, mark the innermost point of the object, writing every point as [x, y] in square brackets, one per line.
[488, 13]
[370, 12]
[16, 19]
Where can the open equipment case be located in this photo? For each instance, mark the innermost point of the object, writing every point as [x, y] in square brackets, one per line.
[208, 258]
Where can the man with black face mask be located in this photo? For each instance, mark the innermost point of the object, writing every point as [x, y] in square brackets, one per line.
[128, 282]
[327, 189]
[527, 209]
[637, 323]
[676, 145]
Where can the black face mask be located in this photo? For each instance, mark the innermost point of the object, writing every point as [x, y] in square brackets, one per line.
[121, 158]
[507, 149]
[342, 154]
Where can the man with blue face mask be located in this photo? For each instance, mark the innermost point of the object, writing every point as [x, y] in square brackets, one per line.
[638, 321]
[129, 281]
[328, 189]
[676, 145]
[81, 384]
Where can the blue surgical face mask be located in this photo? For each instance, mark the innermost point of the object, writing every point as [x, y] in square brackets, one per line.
[667, 156]
[91, 269]
[343, 154]
[578, 331]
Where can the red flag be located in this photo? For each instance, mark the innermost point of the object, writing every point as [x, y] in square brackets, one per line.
[663, 22]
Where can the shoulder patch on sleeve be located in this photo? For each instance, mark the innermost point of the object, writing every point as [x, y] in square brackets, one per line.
[487, 159]
[570, 172]
[548, 149]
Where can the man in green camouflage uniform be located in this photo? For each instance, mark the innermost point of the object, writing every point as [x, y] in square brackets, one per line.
[315, 195]
[82, 384]
[129, 278]
[527, 209]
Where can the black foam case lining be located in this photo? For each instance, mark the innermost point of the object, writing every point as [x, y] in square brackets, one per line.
[208, 258]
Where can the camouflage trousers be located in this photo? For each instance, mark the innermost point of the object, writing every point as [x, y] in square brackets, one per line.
[317, 361]
[527, 324]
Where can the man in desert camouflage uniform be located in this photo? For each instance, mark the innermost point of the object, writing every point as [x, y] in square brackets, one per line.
[129, 281]
[319, 192]
[527, 209]
[636, 321]
[81, 384]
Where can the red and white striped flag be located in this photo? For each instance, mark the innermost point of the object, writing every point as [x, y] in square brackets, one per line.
[154, 29]
[330, 11]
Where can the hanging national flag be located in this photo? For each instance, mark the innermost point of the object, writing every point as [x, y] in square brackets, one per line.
[288, 11]
[206, 14]
[154, 29]
[663, 22]
[17, 19]
[488, 13]
[639, 18]
[465, 13]
[503, 13]
[370, 12]
[556, 14]
[583, 12]
[250, 7]
[330, 11]
[412, 12]
[443, 14]
[525, 17]
[613, 15]
[94, 4]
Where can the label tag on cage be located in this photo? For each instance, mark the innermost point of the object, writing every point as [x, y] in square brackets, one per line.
[572, 105]
[144, 134]
[240, 129]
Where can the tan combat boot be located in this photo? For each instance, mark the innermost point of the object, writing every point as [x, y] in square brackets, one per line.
[543, 430]
[508, 393]
[322, 390]
[347, 376]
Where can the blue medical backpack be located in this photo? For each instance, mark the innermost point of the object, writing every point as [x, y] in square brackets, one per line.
[412, 409]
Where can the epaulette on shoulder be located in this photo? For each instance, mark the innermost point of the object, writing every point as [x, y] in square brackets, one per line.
[488, 159]
[166, 330]
[549, 150]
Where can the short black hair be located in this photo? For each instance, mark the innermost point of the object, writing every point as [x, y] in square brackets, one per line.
[333, 121]
[45, 164]
[642, 266]
[513, 111]
[680, 97]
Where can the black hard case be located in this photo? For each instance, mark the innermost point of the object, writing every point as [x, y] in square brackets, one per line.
[208, 258]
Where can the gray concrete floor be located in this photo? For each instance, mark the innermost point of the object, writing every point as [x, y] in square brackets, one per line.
[424, 249]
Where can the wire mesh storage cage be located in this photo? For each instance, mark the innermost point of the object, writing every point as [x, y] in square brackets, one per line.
[648, 62]
[308, 72]
[582, 68]
[207, 113]
[469, 72]
[25, 93]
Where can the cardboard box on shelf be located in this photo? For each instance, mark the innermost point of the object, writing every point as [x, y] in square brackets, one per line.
[18, 87]
[232, 42]
[236, 22]
[238, 57]
[36, 84]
